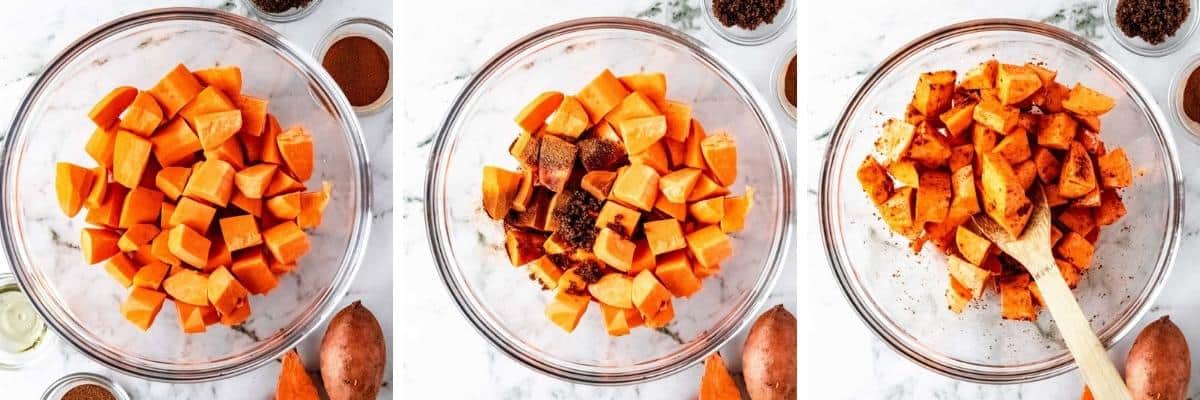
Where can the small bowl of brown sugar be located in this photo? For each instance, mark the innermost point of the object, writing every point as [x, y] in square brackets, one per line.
[84, 386]
[1152, 28]
[281, 10]
[749, 22]
[357, 53]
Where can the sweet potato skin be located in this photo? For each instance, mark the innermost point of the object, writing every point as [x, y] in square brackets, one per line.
[769, 356]
[353, 355]
[1158, 366]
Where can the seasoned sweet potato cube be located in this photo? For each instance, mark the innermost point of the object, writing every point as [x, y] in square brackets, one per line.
[614, 289]
[636, 186]
[709, 245]
[601, 95]
[875, 181]
[1070, 273]
[1085, 101]
[1016, 301]
[534, 114]
[1075, 249]
[958, 118]
[286, 241]
[929, 148]
[555, 162]
[1026, 172]
[972, 246]
[522, 246]
[1003, 196]
[617, 217]
[934, 92]
[983, 139]
[1111, 208]
[176, 89]
[142, 116]
[1115, 171]
[893, 144]
[957, 296]
[904, 172]
[933, 197]
[1057, 131]
[545, 272]
[969, 275]
[897, 212]
[964, 200]
[983, 76]
[599, 183]
[1016, 83]
[996, 116]
[499, 188]
[600, 154]
[142, 306]
[1015, 147]
[614, 250]
[1078, 174]
[1081, 220]
[675, 272]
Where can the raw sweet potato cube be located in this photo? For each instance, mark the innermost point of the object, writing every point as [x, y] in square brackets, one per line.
[614, 289]
[296, 148]
[240, 232]
[1075, 249]
[312, 209]
[614, 250]
[720, 154]
[216, 127]
[524, 190]
[141, 206]
[958, 118]
[599, 183]
[72, 184]
[142, 116]
[545, 272]
[254, 114]
[1078, 174]
[254, 180]
[142, 306]
[636, 186]
[176, 89]
[692, 155]
[109, 213]
[129, 158]
[676, 152]
[665, 315]
[972, 246]
[736, 210]
[615, 322]
[284, 206]
[897, 212]
[675, 272]
[534, 114]
[150, 276]
[556, 159]
[1111, 208]
[566, 309]
[210, 100]
[1016, 301]
[709, 245]
[160, 248]
[933, 197]
[523, 247]
[100, 146]
[286, 241]
[227, 78]
[641, 133]
[211, 181]
[1015, 83]
[250, 206]
[219, 254]
[996, 116]
[934, 92]
[193, 214]
[1003, 196]
[643, 258]
[187, 287]
[635, 105]
[171, 181]
[270, 147]
[99, 189]
[664, 236]
[98, 244]
[106, 112]
[499, 188]
[224, 291]
[1015, 147]
[238, 315]
[655, 157]
[1115, 171]
[649, 295]
[1057, 131]
[601, 95]
[136, 236]
[679, 119]
[175, 143]
[617, 217]
[187, 245]
[893, 144]
[969, 275]
[121, 269]
[674, 210]
[191, 318]
[708, 211]
[1087, 102]
[651, 84]
[252, 271]
[983, 76]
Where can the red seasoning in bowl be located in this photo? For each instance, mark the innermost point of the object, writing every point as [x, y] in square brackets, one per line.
[360, 67]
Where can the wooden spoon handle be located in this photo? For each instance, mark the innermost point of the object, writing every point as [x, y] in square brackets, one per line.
[1098, 370]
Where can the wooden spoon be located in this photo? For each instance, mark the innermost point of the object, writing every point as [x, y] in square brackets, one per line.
[1032, 249]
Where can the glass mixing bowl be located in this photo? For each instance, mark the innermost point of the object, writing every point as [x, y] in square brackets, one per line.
[500, 301]
[900, 295]
[80, 302]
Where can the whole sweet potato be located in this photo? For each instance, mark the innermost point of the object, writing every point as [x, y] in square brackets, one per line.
[353, 355]
[769, 356]
[1158, 365]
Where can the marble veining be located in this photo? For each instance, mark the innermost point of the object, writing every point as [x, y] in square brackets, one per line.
[37, 32]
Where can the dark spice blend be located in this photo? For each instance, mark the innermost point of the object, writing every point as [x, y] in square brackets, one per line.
[746, 14]
[278, 6]
[1152, 20]
[1191, 96]
[789, 82]
[360, 67]
[88, 391]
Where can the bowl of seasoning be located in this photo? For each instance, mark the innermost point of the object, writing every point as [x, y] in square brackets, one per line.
[1151, 28]
[281, 10]
[84, 386]
[1184, 97]
[749, 22]
[23, 335]
[357, 53]
[784, 81]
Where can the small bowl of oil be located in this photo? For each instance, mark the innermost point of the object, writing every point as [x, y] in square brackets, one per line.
[24, 336]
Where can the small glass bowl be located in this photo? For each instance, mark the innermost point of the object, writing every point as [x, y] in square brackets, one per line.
[66, 383]
[15, 361]
[750, 37]
[375, 31]
[286, 16]
[1175, 97]
[778, 81]
[1142, 47]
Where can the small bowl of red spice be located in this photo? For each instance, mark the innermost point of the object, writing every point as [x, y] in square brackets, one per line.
[281, 10]
[1184, 98]
[357, 53]
[748, 22]
[784, 81]
[1152, 28]
[84, 386]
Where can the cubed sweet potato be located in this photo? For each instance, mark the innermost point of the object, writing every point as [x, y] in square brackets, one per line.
[601, 95]
[142, 306]
[1016, 301]
[499, 188]
[709, 245]
[1087, 102]
[1014, 147]
[556, 158]
[874, 180]
[614, 289]
[296, 148]
[1075, 249]
[130, 155]
[736, 210]
[897, 212]
[1115, 171]
[664, 236]
[176, 89]
[649, 295]
[1016, 83]
[933, 197]
[105, 113]
[224, 291]
[72, 184]
[1003, 196]
[150, 276]
[252, 271]
[286, 241]
[958, 118]
[720, 154]
[972, 277]
[1078, 173]
[934, 92]
[617, 217]
[636, 186]
[651, 84]
[893, 144]
[187, 245]
[982, 76]
[142, 116]
[193, 214]
[187, 287]
[996, 116]
[534, 114]
[1111, 208]
[211, 181]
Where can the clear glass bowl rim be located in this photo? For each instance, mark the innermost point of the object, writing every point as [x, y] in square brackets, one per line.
[887, 332]
[271, 348]
[454, 280]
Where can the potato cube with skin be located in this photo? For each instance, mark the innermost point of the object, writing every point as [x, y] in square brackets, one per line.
[1078, 176]
[1003, 196]
[1115, 171]
[1057, 131]
[1016, 83]
[983, 76]
[556, 158]
[636, 186]
[874, 180]
[1014, 147]
[972, 246]
[1087, 102]
[1075, 249]
[996, 116]
[929, 147]
[709, 245]
[934, 92]
[614, 250]
[893, 144]
[664, 236]
[1016, 301]
[969, 275]
[933, 197]
[649, 295]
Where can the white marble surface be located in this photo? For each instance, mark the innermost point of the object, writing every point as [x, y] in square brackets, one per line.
[36, 31]
[444, 357]
[848, 40]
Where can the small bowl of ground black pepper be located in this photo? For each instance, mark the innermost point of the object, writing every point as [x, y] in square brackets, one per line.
[1184, 97]
[84, 386]
[281, 10]
[357, 53]
[1151, 28]
[749, 22]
